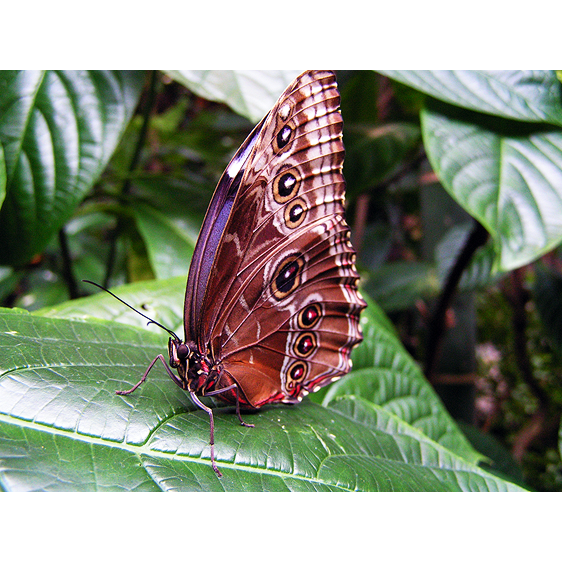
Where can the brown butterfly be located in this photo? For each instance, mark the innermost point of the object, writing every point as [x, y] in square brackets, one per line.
[271, 307]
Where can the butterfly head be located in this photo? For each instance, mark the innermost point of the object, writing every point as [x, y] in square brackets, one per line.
[194, 371]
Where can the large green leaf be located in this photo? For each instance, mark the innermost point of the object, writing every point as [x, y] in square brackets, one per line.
[525, 95]
[251, 93]
[161, 300]
[395, 374]
[58, 129]
[386, 375]
[506, 174]
[398, 285]
[63, 428]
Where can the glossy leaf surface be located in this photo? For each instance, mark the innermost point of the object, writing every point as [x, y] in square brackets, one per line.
[58, 130]
[169, 246]
[496, 146]
[506, 174]
[386, 375]
[525, 95]
[63, 428]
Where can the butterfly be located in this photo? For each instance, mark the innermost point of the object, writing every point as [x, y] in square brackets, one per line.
[271, 306]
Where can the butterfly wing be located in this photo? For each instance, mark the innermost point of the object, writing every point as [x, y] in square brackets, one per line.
[274, 299]
[212, 230]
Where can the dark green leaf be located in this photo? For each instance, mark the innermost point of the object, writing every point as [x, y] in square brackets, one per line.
[560, 440]
[45, 290]
[399, 285]
[161, 300]
[500, 461]
[3, 178]
[359, 91]
[386, 375]
[58, 129]
[376, 245]
[170, 194]
[375, 154]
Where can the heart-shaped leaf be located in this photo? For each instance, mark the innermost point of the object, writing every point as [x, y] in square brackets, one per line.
[58, 130]
[496, 145]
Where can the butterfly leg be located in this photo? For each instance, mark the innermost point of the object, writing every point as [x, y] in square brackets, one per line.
[225, 389]
[161, 357]
[200, 404]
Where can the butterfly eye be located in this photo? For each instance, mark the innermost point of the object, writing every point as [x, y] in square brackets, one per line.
[182, 351]
[287, 184]
[305, 344]
[295, 213]
[296, 374]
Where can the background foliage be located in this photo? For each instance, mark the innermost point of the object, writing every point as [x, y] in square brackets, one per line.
[455, 199]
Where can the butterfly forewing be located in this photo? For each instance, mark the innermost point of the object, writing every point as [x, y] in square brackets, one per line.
[275, 299]
[204, 256]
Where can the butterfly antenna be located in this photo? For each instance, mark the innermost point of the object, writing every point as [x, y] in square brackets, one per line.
[150, 320]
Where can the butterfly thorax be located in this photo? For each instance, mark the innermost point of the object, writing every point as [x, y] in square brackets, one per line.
[195, 371]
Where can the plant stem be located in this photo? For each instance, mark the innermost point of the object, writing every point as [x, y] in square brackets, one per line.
[114, 235]
[436, 327]
[67, 265]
